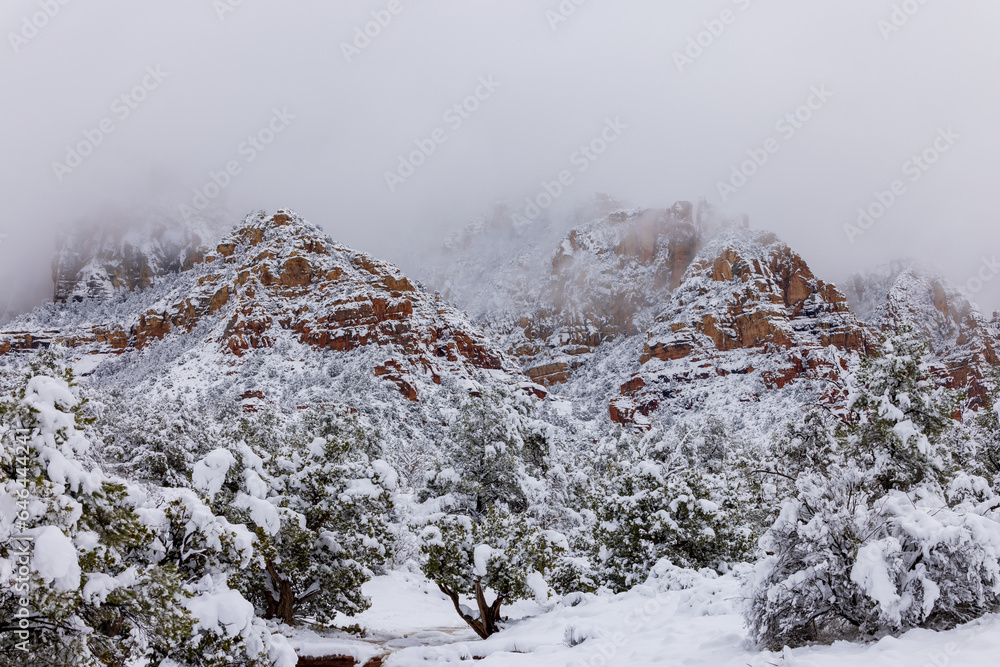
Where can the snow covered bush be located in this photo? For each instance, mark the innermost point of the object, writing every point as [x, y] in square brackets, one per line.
[887, 534]
[847, 565]
[984, 457]
[157, 443]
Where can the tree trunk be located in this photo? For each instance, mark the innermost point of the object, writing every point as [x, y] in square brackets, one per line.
[489, 615]
[284, 607]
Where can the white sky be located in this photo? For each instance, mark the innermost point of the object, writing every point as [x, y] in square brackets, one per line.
[684, 132]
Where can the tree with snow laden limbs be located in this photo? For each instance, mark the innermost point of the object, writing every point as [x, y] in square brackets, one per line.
[888, 533]
[101, 587]
[479, 537]
[319, 509]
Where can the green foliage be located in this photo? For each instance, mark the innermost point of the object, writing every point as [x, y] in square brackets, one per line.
[334, 503]
[111, 578]
[152, 443]
[649, 513]
[484, 453]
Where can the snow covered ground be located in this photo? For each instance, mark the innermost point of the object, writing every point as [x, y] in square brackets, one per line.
[676, 619]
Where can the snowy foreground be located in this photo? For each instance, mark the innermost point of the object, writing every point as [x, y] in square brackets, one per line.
[678, 619]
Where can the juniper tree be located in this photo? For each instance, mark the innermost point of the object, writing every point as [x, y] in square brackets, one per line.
[887, 534]
[648, 511]
[479, 532]
[319, 507]
[899, 415]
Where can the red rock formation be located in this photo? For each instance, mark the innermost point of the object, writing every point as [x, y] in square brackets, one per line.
[963, 343]
[277, 275]
[749, 306]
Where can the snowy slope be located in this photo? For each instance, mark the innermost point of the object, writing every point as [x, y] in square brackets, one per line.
[677, 618]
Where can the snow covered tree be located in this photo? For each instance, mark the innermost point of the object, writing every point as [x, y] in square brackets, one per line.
[900, 416]
[649, 512]
[153, 443]
[887, 534]
[500, 552]
[483, 456]
[479, 534]
[845, 564]
[319, 507]
[80, 566]
[984, 457]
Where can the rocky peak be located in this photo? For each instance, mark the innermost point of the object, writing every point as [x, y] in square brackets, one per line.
[98, 259]
[747, 306]
[554, 301]
[964, 343]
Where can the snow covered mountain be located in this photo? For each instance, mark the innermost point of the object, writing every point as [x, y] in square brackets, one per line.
[641, 311]
[633, 315]
[748, 323]
[682, 356]
[96, 260]
[552, 298]
[276, 314]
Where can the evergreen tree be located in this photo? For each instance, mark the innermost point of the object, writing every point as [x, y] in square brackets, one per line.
[319, 507]
[655, 504]
[900, 416]
[73, 545]
[82, 564]
[479, 532]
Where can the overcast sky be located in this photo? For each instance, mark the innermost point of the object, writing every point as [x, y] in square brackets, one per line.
[183, 85]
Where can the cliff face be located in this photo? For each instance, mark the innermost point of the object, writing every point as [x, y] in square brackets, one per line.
[606, 280]
[660, 312]
[750, 307]
[275, 289]
[963, 342]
